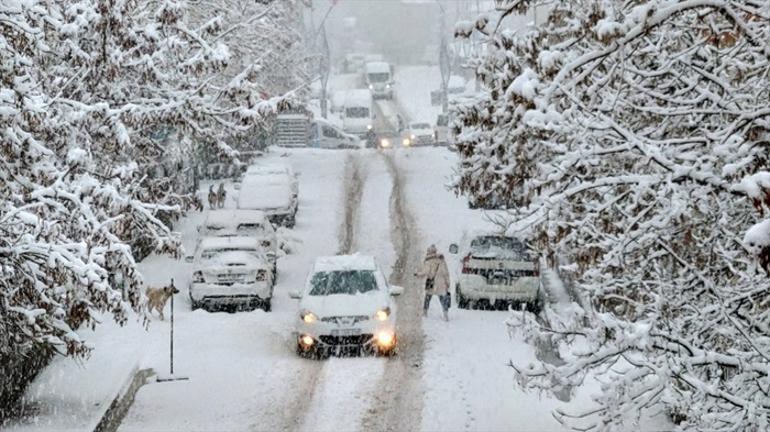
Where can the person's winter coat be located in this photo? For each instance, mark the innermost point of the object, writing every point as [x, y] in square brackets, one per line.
[434, 267]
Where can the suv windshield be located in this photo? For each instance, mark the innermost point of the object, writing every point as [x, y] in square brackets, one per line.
[442, 120]
[357, 112]
[348, 282]
[379, 77]
[499, 247]
[420, 126]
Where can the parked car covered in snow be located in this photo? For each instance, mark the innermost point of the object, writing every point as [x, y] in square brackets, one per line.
[231, 271]
[275, 169]
[346, 306]
[420, 134]
[497, 269]
[328, 136]
[276, 195]
[242, 223]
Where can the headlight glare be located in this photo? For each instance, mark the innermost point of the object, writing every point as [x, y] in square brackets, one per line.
[308, 317]
[386, 339]
[382, 314]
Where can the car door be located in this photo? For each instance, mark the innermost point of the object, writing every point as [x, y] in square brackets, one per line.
[329, 138]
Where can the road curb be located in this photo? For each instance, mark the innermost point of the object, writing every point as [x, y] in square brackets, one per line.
[118, 408]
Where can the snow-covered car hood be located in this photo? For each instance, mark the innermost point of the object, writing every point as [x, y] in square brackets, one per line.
[345, 305]
[265, 196]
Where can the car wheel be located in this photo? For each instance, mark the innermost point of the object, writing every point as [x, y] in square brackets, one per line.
[462, 302]
[195, 305]
[482, 304]
[267, 305]
[533, 307]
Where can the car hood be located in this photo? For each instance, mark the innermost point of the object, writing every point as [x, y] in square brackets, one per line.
[267, 196]
[345, 305]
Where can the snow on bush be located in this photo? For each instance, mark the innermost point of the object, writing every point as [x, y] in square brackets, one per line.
[656, 109]
[86, 87]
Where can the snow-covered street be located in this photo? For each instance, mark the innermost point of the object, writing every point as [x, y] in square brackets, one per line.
[384, 215]
[243, 372]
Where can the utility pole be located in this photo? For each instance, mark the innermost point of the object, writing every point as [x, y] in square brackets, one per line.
[444, 61]
[325, 68]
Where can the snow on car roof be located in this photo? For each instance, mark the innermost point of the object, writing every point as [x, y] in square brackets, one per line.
[240, 242]
[270, 168]
[345, 262]
[377, 67]
[229, 216]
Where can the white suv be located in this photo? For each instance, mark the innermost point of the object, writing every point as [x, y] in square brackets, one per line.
[497, 269]
[346, 306]
[231, 271]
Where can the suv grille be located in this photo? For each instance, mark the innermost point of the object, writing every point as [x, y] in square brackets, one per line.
[345, 320]
[346, 340]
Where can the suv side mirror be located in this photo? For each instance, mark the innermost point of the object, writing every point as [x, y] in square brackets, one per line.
[396, 291]
[295, 294]
[453, 249]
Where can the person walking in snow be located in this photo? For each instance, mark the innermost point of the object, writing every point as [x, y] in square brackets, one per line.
[436, 276]
[221, 195]
[212, 197]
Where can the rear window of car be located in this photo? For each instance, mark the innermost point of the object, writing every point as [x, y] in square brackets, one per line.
[344, 282]
[211, 253]
[250, 228]
[500, 247]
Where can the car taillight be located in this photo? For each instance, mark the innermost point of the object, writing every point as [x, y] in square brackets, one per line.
[261, 275]
[466, 268]
[198, 277]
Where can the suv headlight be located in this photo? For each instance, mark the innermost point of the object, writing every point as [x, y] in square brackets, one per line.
[382, 314]
[387, 86]
[308, 317]
[371, 86]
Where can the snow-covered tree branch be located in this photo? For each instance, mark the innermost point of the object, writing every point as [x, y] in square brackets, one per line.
[84, 86]
[617, 130]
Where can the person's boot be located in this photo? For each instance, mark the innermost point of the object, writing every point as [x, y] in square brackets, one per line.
[446, 315]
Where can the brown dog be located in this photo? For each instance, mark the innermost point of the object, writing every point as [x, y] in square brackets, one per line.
[158, 297]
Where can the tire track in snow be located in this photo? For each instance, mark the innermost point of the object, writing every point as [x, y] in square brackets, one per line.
[397, 402]
[354, 189]
[307, 382]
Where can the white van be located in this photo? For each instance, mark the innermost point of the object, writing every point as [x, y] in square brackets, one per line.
[328, 136]
[357, 117]
[379, 78]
